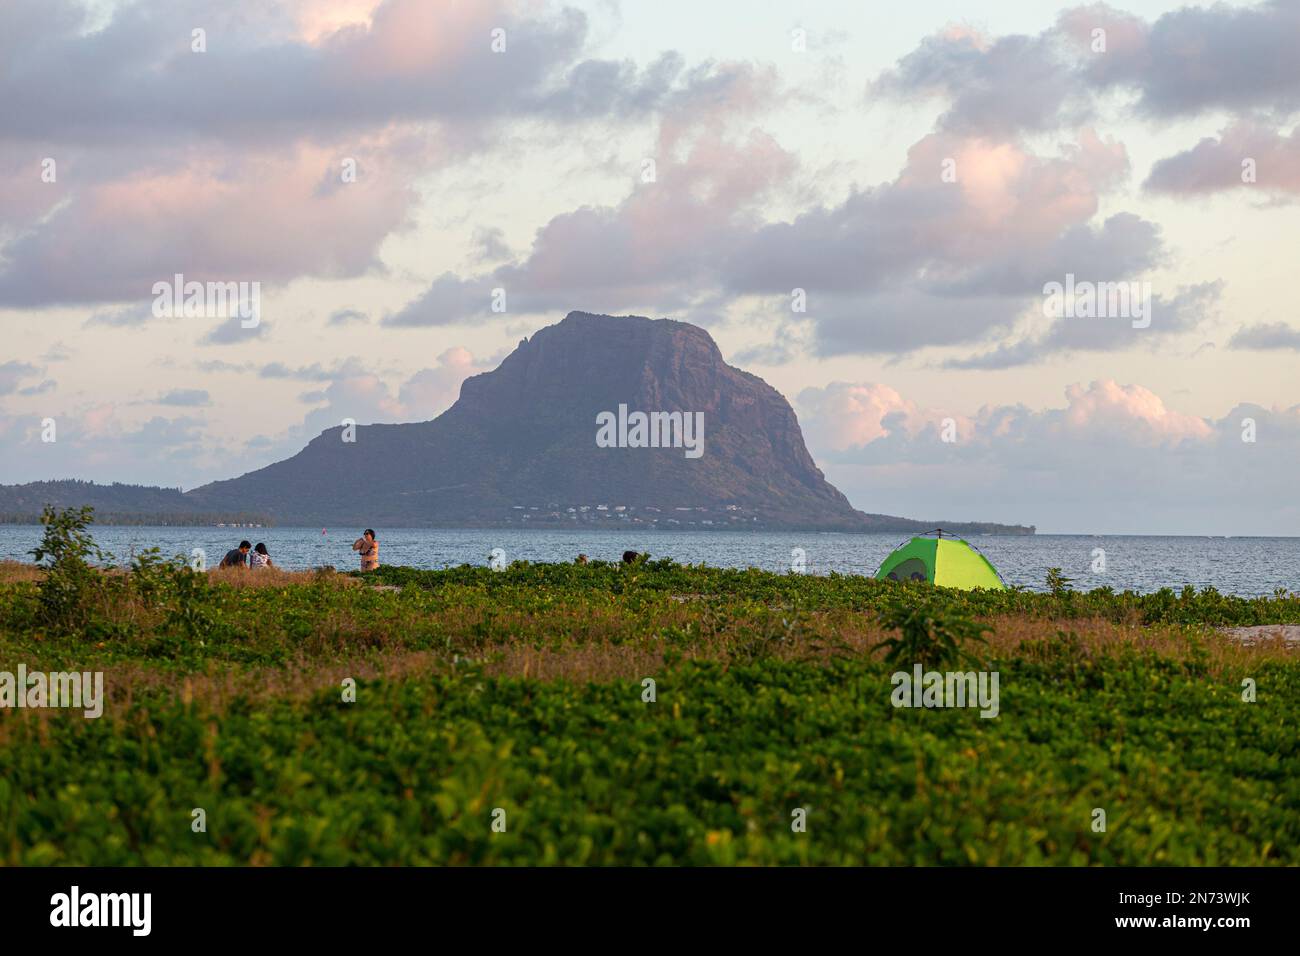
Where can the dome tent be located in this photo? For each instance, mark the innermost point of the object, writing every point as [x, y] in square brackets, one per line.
[943, 560]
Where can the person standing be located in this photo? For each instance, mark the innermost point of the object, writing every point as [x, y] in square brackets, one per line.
[369, 548]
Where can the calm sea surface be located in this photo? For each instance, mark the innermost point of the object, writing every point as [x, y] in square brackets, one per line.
[1247, 566]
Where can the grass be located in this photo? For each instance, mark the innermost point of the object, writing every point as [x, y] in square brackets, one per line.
[523, 691]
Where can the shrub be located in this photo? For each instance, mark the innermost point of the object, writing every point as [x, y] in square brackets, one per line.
[71, 591]
[1057, 582]
[931, 632]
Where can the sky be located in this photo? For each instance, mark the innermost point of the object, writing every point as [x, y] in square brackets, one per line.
[866, 209]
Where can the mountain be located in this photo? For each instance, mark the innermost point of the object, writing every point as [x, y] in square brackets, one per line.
[520, 448]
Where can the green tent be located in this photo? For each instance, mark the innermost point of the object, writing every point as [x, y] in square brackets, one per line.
[944, 560]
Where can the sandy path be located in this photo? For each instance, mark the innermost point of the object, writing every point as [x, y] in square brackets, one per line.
[1249, 635]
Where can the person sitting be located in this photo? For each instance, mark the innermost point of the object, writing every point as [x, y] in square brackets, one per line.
[630, 557]
[259, 558]
[369, 548]
[236, 557]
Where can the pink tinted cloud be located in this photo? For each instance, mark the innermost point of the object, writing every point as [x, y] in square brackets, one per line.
[1131, 410]
[265, 217]
[845, 416]
[1247, 155]
[664, 231]
[316, 20]
[1008, 195]
[431, 391]
[402, 38]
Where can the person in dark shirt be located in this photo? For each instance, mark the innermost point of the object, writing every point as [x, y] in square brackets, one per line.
[236, 557]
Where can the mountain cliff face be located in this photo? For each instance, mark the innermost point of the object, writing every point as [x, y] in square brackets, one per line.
[525, 435]
[520, 447]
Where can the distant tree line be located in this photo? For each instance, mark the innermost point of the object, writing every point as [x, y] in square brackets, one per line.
[186, 520]
[117, 503]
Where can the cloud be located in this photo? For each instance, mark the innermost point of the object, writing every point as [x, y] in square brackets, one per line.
[123, 316]
[221, 365]
[1187, 62]
[871, 423]
[919, 261]
[243, 217]
[12, 373]
[1268, 336]
[1114, 458]
[1197, 59]
[925, 262]
[449, 300]
[1106, 408]
[491, 245]
[181, 436]
[231, 331]
[843, 416]
[1243, 156]
[260, 79]
[658, 246]
[431, 391]
[350, 390]
[186, 397]
[290, 148]
[314, 372]
[95, 443]
[790, 338]
[48, 385]
[996, 87]
[1186, 310]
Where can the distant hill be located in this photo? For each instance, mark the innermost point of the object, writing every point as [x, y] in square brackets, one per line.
[114, 504]
[519, 449]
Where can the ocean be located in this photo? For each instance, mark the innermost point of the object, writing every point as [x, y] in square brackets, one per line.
[1245, 566]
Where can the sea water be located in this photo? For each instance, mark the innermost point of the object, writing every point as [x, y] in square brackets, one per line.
[1245, 566]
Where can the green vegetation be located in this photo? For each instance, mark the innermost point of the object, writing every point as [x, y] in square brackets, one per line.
[70, 585]
[525, 690]
[1165, 606]
[931, 632]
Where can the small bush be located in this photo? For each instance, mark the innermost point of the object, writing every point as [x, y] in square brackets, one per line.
[71, 591]
[1057, 582]
[931, 632]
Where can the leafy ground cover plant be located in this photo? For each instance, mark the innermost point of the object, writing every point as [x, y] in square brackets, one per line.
[416, 769]
[524, 690]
